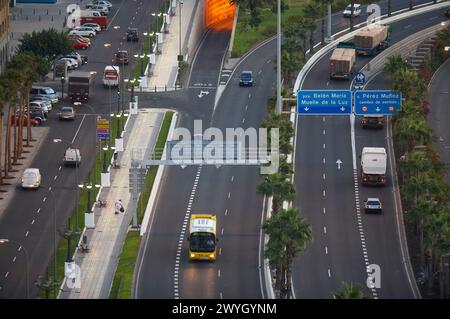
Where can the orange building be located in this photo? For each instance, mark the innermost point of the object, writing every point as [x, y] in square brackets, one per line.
[4, 34]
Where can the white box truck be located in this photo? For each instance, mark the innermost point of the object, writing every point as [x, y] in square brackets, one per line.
[373, 166]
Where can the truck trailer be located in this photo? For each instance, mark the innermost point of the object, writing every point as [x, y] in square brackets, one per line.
[342, 63]
[372, 39]
[79, 85]
[373, 166]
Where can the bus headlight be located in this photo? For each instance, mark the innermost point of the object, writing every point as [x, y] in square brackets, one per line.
[192, 255]
[211, 256]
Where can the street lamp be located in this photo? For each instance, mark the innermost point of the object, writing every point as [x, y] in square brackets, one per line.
[132, 81]
[157, 20]
[27, 258]
[63, 80]
[180, 55]
[105, 149]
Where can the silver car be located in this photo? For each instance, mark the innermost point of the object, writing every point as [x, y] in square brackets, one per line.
[31, 178]
[40, 105]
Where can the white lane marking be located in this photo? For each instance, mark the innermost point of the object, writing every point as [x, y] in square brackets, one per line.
[20, 248]
[221, 296]
[45, 198]
[326, 250]
[232, 178]
[221, 232]
[246, 107]
[54, 178]
[323, 132]
[220, 251]
[26, 234]
[79, 126]
[323, 146]
[226, 211]
[60, 168]
[324, 229]
[329, 272]
[323, 193]
[14, 259]
[249, 95]
[323, 176]
[323, 160]
[39, 209]
[323, 118]
[218, 273]
[6, 275]
[324, 210]
[229, 194]
[243, 120]
[32, 222]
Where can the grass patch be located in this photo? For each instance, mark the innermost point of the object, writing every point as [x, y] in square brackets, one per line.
[123, 277]
[247, 36]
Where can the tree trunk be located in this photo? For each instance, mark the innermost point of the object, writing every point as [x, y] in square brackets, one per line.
[389, 7]
[8, 165]
[430, 283]
[288, 277]
[20, 135]
[15, 155]
[276, 204]
[421, 247]
[29, 137]
[278, 281]
[1, 144]
[351, 14]
[411, 4]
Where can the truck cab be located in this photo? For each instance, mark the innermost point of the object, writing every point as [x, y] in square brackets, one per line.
[202, 237]
[372, 121]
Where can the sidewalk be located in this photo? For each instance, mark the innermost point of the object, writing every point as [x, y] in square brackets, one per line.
[163, 74]
[105, 241]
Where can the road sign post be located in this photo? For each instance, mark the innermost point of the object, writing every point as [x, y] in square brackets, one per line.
[324, 102]
[377, 102]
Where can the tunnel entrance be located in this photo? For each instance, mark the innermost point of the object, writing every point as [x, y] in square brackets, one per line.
[219, 14]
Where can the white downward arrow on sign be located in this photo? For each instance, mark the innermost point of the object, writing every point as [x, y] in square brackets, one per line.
[306, 109]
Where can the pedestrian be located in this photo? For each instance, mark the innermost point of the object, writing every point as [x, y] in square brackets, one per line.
[119, 207]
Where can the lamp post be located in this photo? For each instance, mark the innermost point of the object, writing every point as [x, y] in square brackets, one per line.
[27, 258]
[63, 80]
[157, 15]
[179, 55]
[105, 149]
[279, 99]
[89, 187]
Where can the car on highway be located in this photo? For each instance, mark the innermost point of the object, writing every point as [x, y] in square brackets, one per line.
[44, 100]
[246, 78]
[72, 156]
[373, 205]
[31, 178]
[72, 64]
[132, 35]
[356, 10]
[44, 91]
[66, 113]
[99, 3]
[92, 25]
[372, 121]
[83, 31]
[122, 56]
[79, 45]
[447, 12]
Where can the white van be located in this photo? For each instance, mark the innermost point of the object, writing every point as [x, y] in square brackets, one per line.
[111, 76]
[72, 157]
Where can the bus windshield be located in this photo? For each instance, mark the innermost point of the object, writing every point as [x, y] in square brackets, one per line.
[202, 242]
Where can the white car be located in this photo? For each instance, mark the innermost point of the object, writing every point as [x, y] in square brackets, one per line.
[100, 3]
[40, 105]
[31, 178]
[83, 31]
[104, 11]
[356, 10]
[92, 25]
[72, 63]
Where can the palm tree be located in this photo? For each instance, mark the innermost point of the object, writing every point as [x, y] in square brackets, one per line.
[313, 12]
[410, 130]
[289, 235]
[395, 64]
[414, 162]
[410, 84]
[277, 120]
[350, 291]
[277, 186]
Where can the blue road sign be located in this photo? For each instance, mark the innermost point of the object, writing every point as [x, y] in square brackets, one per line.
[360, 78]
[324, 102]
[377, 102]
[103, 135]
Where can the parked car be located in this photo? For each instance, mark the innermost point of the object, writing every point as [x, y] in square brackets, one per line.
[16, 119]
[79, 38]
[45, 91]
[104, 11]
[31, 178]
[132, 35]
[92, 25]
[39, 105]
[47, 102]
[373, 205]
[79, 45]
[122, 56]
[72, 63]
[83, 31]
[356, 10]
[67, 113]
[38, 115]
[99, 3]
[246, 78]
[72, 157]
[76, 56]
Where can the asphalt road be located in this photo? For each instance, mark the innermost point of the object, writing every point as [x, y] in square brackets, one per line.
[29, 218]
[328, 197]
